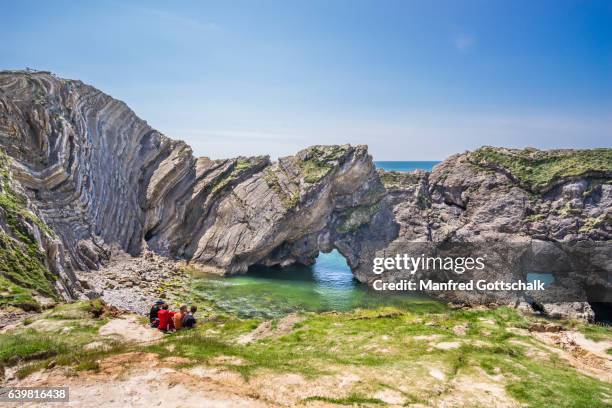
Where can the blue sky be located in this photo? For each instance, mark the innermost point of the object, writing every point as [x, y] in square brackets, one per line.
[413, 80]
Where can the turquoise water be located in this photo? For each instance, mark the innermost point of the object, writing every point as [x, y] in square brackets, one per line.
[406, 165]
[546, 278]
[270, 292]
[327, 285]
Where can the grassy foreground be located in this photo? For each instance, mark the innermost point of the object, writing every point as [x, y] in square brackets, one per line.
[419, 355]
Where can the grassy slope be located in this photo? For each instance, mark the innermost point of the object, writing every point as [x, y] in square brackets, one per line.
[22, 264]
[537, 169]
[381, 345]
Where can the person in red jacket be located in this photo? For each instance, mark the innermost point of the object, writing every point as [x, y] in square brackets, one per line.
[166, 323]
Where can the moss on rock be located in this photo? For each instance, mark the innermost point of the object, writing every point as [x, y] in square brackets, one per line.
[317, 161]
[357, 216]
[396, 179]
[240, 167]
[288, 199]
[592, 223]
[23, 271]
[538, 169]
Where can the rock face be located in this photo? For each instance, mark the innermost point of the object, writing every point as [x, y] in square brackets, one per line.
[95, 177]
[524, 211]
[99, 177]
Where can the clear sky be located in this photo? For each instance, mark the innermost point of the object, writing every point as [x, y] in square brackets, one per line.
[415, 80]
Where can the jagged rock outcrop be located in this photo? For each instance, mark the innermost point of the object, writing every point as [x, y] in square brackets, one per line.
[99, 178]
[525, 211]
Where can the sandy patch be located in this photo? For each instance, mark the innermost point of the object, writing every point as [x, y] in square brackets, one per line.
[596, 347]
[390, 397]
[141, 386]
[226, 360]
[487, 321]
[429, 337]
[448, 345]
[518, 331]
[97, 345]
[476, 389]
[130, 329]
[437, 374]
[143, 380]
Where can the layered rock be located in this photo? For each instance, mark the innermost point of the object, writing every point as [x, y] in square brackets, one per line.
[99, 178]
[525, 211]
[31, 255]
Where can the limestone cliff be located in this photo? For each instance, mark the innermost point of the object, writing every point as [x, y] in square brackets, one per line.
[528, 211]
[99, 177]
[93, 176]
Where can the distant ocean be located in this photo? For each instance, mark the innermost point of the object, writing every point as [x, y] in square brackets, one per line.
[405, 165]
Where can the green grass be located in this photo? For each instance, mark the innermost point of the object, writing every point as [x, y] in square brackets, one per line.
[324, 343]
[22, 263]
[370, 342]
[596, 332]
[61, 341]
[76, 358]
[537, 169]
[15, 295]
[73, 311]
[28, 344]
[351, 399]
[556, 384]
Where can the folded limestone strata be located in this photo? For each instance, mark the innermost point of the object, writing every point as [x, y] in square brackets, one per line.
[92, 175]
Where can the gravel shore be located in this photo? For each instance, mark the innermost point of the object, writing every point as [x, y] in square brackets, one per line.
[133, 283]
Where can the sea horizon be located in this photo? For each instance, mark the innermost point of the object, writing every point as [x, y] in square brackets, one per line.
[406, 165]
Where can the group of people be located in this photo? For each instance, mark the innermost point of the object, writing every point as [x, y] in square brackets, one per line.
[166, 320]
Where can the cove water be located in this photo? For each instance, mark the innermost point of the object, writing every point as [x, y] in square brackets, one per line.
[328, 285]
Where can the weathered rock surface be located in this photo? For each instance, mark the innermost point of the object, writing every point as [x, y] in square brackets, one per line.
[100, 178]
[541, 213]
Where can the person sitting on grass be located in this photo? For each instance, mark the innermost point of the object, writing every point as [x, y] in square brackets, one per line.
[153, 313]
[166, 324]
[178, 317]
[189, 321]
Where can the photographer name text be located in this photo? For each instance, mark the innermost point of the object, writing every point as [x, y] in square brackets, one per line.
[429, 285]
